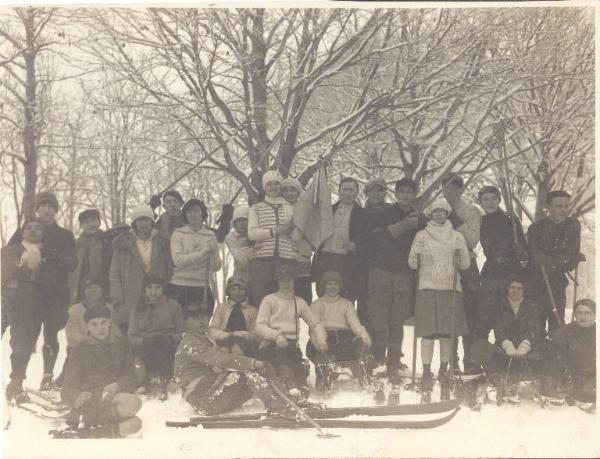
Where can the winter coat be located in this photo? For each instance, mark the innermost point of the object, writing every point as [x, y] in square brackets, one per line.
[241, 250]
[16, 276]
[525, 325]
[91, 367]
[127, 272]
[165, 224]
[149, 320]
[466, 219]
[498, 244]
[436, 271]
[560, 244]
[220, 317]
[576, 347]
[94, 252]
[76, 329]
[197, 357]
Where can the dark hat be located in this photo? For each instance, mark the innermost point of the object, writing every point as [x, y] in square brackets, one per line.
[587, 303]
[557, 194]
[375, 181]
[406, 182]
[236, 280]
[285, 271]
[452, 178]
[88, 213]
[92, 280]
[46, 197]
[489, 189]
[173, 193]
[193, 203]
[33, 219]
[331, 276]
[96, 312]
[153, 280]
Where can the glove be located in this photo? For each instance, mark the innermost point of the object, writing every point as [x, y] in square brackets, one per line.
[154, 201]
[82, 399]
[265, 369]
[226, 213]
[509, 348]
[455, 220]
[524, 348]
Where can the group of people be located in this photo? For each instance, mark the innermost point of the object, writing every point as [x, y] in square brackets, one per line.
[139, 313]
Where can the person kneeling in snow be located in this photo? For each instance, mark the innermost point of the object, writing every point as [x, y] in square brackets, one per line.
[232, 324]
[277, 324]
[99, 379]
[215, 381]
[347, 340]
[155, 328]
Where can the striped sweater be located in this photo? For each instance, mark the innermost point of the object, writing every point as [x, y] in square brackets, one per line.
[265, 216]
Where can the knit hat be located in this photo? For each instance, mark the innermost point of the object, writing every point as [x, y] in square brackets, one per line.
[271, 176]
[236, 280]
[587, 303]
[292, 182]
[46, 197]
[489, 189]
[153, 279]
[33, 219]
[453, 179]
[406, 182]
[285, 271]
[92, 280]
[193, 203]
[557, 194]
[439, 203]
[173, 193]
[88, 213]
[141, 211]
[376, 181]
[96, 312]
[331, 276]
[240, 212]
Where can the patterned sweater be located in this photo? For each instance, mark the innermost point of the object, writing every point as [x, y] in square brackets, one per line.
[264, 217]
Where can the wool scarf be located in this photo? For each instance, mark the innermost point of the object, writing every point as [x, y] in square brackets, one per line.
[32, 256]
[440, 241]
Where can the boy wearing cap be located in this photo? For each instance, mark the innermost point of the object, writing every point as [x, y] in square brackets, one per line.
[29, 278]
[100, 379]
[232, 325]
[237, 242]
[93, 254]
[554, 243]
[59, 245]
[502, 256]
[347, 339]
[137, 253]
[155, 329]
[277, 324]
[466, 219]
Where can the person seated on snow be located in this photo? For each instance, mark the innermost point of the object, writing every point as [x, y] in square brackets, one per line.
[575, 345]
[155, 328]
[233, 322]
[516, 330]
[347, 340]
[100, 378]
[239, 245]
[277, 324]
[215, 381]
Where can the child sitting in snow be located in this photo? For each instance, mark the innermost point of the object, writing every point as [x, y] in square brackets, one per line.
[347, 339]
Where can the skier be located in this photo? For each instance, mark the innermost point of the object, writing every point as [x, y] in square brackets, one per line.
[238, 243]
[575, 345]
[137, 253]
[339, 252]
[215, 381]
[503, 257]
[94, 252]
[233, 323]
[59, 246]
[439, 309]
[100, 379]
[155, 329]
[554, 244]
[29, 271]
[195, 253]
[277, 324]
[391, 283]
[517, 341]
[269, 227]
[291, 190]
[347, 340]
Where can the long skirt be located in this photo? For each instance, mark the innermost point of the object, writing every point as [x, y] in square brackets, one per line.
[433, 313]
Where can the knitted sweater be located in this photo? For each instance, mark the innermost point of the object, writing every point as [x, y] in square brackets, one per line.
[337, 314]
[265, 216]
[278, 316]
[192, 263]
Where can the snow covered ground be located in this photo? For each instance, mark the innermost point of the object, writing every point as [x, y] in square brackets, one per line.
[507, 431]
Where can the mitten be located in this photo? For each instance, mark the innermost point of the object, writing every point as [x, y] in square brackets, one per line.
[509, 348]
[524, 348]
[154, 201]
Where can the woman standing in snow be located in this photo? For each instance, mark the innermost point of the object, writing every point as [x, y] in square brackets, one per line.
[437, 252]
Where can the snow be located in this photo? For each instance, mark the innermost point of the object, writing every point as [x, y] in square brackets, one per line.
[507, 431]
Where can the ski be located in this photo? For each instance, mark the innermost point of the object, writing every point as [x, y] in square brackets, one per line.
[282, 423]
[331, 413]
[42, 412]
[45, 401]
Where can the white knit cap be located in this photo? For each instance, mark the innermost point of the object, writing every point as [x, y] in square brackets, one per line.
[439, 203]
[240, 212]
[292, 182]
[271, 176]
[141, 211]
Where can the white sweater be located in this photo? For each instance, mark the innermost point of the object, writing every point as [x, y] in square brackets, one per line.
[192, 261]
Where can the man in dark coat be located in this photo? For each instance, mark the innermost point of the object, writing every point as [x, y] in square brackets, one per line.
[60, 248]
[554, 244]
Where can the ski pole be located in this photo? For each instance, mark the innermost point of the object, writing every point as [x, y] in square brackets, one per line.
[452, 317]
[301, 412]
[575, 284]
[414, 356]
[551, 296]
